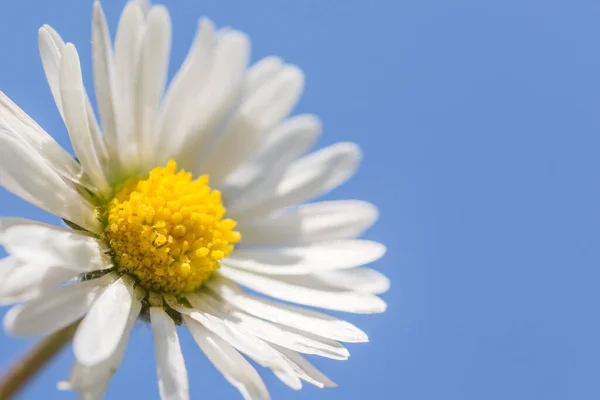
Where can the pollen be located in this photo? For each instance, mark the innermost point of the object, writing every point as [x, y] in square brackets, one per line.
[169, 231]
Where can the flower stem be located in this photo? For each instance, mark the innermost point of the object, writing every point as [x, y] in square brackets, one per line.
[24, 369]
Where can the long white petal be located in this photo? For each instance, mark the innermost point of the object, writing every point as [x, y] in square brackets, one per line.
[234, 367]
[256, 117]
[7, 265]
[51, 48]
[26, 175]
[91, 382]
[151, 79]
[290, 140]
[143, 4]
[242, 339]
[128, 43]
[289, 377]
[17, 123]
[46, 245]
[311, 223]
[239, 338]
[21, 281]
[95, 392]
[295, 317]
[213, 104]
[310, 372]
[190, 80]
[103, 64]
[260, 72]
[104, 326]
[308, 177]
[296, 372]
[318, 257]
[303, 290]
[53, 310]
[274, 99]
[364, 280]
[51, 45]
[247, 344]
[10, 222]
[284, 336]
[97, 139]
[58, 41]
[263, 353]
[172, 373]
[75, 110]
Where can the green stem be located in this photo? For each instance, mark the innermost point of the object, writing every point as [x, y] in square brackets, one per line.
[24, 369]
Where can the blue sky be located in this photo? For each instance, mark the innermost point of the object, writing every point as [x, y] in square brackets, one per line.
[480, 124]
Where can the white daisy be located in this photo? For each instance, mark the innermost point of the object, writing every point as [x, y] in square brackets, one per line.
[149, 238]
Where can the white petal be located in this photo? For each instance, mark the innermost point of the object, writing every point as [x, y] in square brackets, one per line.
[289, 140]
[19, 125]
[307, 291]
[308, 177]
[296, 372]
[9, 222]
[290, 378]
[274, 99]
[25, 174]
[143, 4]
[91, 382]
[51, 45]
[54, 309]
[51, 49]
[74, 101]
[151, 79]
[95, 393]
[103, 63]
[7, 265]
[260, 73]
[128, 43]
[256, 117]
[172, 373]
[318, 257]
[58, 41]
[296, 317]
[190, 80]
[105, 324]
[20, 281]
[309, 372]
[97, 138]
[311, 223]
[214, 103]
[46, 245]
[239, 338]
[91, 393]
[287, 337]
[364, 280]
[229, 362]
[247, 344]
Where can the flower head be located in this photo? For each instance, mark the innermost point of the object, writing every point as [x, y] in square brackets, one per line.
[174, 202]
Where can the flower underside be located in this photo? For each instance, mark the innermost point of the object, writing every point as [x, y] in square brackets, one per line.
[168, 231]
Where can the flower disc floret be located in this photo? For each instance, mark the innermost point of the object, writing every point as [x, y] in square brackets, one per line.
[169, 231]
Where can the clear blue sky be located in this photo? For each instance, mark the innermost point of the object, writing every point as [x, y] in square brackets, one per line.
[480, 124]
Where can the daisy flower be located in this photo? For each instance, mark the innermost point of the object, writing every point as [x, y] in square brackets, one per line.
[176, 201]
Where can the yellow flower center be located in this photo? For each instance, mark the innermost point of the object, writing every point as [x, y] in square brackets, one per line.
[168, 230]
